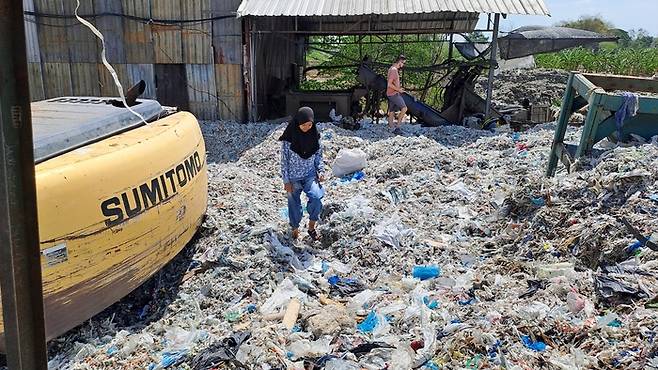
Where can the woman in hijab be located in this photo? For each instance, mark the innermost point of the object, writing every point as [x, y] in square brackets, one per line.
[302, 169]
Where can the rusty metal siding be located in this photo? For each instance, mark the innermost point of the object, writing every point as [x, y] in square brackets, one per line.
[137, 36]
[137, 72]
[84, 79]
[274, 54]
[167, 39]
[53, 42]
[226, 33]
[106, 82]
[57, 79]
[113, 28]
[35, 76]
[273, 58]
[68, 63]
[201, 91]
[82, 43]
[228, 78]
[339, 8]
[197, 37]
[31, 35]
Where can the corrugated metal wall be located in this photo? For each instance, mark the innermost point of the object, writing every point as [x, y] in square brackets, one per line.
[274, 55]
[64, 56]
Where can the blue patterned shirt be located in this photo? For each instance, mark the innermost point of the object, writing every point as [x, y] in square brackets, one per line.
[294, 167]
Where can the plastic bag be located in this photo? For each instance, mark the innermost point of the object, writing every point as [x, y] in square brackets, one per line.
[134, 341]
[349, 161]
[281, 252]
[304, 348]
[392, 308]
[392, 231]
[282, 296]
[360, 300]
[374, 323]
[382, 328]
[369, 323]
[222, 351]
[357, 207]
[461, 188]
[429, 340]
[338, 364]
[180, 339]
[534, 311]
[611, 319]
[402, 359]
[575, 301]
[329, 268]
[418, 308]
[537, 346]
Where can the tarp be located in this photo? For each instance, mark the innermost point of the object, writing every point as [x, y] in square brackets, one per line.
[537, 40]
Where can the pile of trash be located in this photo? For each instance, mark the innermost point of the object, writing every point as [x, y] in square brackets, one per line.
[540, 86]
[448, 249]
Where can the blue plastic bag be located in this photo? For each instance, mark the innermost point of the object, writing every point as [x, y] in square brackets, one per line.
[537, 346]
[369, 324]
[426, 272]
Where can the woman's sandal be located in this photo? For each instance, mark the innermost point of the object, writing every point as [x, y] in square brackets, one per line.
[314, 234]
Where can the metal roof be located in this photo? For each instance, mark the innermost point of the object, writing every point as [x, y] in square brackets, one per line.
[309, 8]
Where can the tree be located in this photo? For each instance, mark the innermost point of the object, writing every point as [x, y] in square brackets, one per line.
[641, 39]
[589, 23]
[624, 37]
[477, 37]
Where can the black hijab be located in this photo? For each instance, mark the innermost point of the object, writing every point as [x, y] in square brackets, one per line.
[305, 144]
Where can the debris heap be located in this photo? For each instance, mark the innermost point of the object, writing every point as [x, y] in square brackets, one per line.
[538, 85]
[449, 250]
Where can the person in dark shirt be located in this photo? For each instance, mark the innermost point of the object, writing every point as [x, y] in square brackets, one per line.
[302, 169]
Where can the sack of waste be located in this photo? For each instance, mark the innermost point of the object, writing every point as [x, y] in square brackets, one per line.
[349, 161]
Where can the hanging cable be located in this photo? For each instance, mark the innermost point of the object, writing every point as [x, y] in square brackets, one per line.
[130, 17]
[106, 63]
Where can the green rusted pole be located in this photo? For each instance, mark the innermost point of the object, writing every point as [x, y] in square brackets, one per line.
[20, 266]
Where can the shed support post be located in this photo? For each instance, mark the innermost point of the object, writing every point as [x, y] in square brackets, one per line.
[492, 64]
[20, 265]
[250, 72]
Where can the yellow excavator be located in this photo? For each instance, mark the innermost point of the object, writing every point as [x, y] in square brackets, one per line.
[117, 196]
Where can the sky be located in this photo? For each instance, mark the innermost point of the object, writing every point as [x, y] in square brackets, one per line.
[624, 14]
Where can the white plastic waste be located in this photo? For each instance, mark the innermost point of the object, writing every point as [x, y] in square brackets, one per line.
[304, 348]
[338, 364]
[178, 338]
[349, 161]
[281, 296]
[391, 231]
[403, 358]
[335, 117]
[360, 300]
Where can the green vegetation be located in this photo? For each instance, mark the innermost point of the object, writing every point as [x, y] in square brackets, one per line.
[636, 53]
[337, 57]
[589, 23]
[619, 60]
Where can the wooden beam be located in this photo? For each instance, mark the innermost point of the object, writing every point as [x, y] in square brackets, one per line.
[23, 320]
[625, 83]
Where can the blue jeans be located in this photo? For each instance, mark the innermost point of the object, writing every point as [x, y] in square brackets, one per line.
[313, 192]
